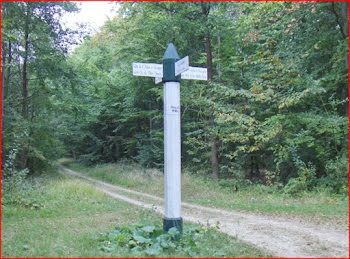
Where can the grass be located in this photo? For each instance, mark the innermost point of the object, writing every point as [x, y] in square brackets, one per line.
[59, 216]
[317, 206]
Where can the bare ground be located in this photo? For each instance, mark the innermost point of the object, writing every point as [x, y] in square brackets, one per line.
[279, 236]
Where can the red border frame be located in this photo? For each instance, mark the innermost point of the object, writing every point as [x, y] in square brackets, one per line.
[185, 1]
[174, 1]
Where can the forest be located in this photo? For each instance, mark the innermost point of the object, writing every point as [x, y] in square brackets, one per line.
[274, 110]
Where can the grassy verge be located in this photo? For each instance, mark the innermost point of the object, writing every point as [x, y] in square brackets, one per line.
[316, 206]
[60, 216]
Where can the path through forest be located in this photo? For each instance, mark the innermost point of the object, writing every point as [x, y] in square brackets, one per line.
[280, 237]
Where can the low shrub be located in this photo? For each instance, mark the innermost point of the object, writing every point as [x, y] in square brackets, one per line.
[152, 240]
[337, 175]
[306, 179]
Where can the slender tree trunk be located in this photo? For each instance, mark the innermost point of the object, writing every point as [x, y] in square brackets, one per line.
[24, 155]
[6, 78]
[251, 167]
[8, 71]
[209, 56]
[345, 13]
[3, 83]
[214, 140]
[342, 21]
[214, 158]
[24, 73]
[150, 126]
[3, 64]
[218, 66]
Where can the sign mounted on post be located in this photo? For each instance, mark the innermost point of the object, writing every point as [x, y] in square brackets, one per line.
[157, 80]
[181, 68]
[182, 65]
[196, 73]
[171, 72]
[147, 69]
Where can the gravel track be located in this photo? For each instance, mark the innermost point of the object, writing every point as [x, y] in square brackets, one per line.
[278, 236]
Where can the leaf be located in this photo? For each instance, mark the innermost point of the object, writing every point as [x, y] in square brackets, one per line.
[173, 231]
[106, 249]
[140, 239]
[132, 244]
[148, 229]
[165, 241]
[136, 249]
[190, 252]
[155, 249]
[219, 253]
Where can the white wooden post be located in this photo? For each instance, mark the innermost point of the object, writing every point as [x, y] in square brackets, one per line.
[172, 141]
[171, 72]
[172, 150]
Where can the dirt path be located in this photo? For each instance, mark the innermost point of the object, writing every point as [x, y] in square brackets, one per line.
[280, 237]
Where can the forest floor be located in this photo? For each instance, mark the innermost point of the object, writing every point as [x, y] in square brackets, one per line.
[280, 236]
[58, 215]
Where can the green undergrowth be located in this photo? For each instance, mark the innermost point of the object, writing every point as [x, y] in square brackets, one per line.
[319, 205]
[152, 240]
[58, 216]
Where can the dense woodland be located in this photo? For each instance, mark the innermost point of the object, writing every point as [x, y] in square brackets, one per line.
[274, 110]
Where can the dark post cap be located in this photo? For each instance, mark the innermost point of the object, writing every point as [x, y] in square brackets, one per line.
[171, 52]
[169, 59]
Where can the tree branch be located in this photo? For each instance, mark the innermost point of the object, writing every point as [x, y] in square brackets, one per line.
[337, 19]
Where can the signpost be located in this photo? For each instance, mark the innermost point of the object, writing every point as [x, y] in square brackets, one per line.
[171, 72]
[182, 65]
[157, 80]
[147, 69]
[197, 73]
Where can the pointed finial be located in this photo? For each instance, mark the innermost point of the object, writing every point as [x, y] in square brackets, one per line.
[171, 52]
[169, 59]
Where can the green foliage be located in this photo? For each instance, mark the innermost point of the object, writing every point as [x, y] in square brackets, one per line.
[306, 178]
[337, 175]
[20, 199]
[152, 240]
[276, 106]
[12, 178]
[150, 156]
[16, 188]
[34, 45]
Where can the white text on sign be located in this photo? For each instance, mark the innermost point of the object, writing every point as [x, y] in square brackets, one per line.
[196, 73]
[156, 70]
[147, 69]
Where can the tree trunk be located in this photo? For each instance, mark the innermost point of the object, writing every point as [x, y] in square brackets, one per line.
[24, 153]
[8, 72]
[6, 84]
[3, 64]
[214, 141]
[345, 27]
[346, 33]
[24, 73]
[214, 158]
[150, 126]
[3, 84]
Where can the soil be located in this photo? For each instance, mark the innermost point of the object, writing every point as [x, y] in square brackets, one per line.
[281, 237]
